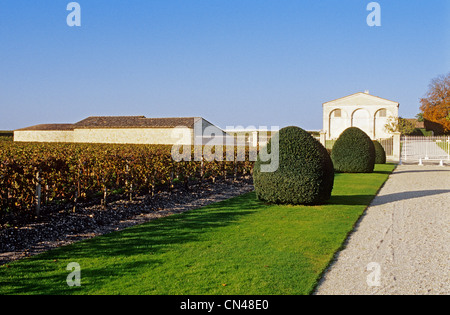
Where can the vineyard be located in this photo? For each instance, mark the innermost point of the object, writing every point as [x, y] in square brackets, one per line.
[32, 174]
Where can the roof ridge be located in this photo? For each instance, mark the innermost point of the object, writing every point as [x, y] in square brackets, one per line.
[363, 93]
[49, 127]
[111, 122]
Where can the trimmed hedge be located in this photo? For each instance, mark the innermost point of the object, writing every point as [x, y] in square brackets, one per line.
[305, 174]
[380, 154]
[353, 152]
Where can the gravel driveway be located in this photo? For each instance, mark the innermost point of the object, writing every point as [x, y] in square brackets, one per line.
[402, 243]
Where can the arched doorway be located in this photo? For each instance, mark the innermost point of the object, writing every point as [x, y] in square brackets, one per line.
[337, 123]
[361, 119]
[379, 122]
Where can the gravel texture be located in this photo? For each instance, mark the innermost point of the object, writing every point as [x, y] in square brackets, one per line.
[59, 226]
[401, 245]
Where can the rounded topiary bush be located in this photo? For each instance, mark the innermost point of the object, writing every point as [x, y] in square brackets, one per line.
[305, 173]
[380, 154]
[353, 152]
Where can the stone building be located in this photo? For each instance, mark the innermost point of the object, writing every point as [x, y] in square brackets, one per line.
[367, 112]
[122, 129]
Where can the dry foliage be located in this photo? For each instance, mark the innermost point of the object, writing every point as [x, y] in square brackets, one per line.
[436, 103]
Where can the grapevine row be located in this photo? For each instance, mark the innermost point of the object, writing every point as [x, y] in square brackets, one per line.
[70, 172]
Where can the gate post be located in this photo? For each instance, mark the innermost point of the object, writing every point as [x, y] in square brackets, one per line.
[396, 149]
[448, 149]
[323, 138]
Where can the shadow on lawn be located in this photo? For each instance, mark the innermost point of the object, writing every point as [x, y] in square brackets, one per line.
[382, 172]
[154, 237]
[125, 252]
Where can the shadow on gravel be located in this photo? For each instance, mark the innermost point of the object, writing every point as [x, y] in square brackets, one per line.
[423, 171]
[351, 200]
[384, 199]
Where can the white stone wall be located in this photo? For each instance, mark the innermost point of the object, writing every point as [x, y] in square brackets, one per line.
[168, 136]
[360, 110]
[43, 136]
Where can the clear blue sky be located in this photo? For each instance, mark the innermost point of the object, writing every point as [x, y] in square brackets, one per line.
[233, 62]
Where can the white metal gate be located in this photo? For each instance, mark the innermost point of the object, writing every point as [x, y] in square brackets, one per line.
[420, 148]
[388, 146]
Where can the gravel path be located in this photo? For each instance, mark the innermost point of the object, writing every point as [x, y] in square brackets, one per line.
[402, 243]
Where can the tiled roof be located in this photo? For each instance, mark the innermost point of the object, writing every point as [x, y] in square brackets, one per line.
[134, 122]
[98, 122]
[417, 124]
[49, 127]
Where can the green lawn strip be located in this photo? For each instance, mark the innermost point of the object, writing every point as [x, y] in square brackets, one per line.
[239, 246]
